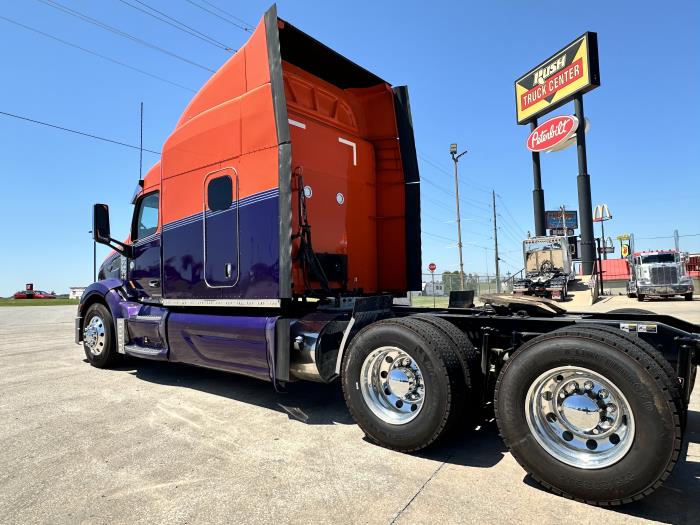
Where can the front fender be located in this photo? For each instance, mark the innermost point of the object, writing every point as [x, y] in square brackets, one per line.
[105, 291]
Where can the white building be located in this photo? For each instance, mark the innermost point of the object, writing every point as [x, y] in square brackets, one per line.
[76, 292]
[437, 290]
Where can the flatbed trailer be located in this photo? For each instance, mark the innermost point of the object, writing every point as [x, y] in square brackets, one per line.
[219, 270]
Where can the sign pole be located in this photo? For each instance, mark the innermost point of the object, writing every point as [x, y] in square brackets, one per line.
[537, 192]
[432, 267]
[583, 182]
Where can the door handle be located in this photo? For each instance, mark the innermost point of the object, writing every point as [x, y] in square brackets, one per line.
[155, 283]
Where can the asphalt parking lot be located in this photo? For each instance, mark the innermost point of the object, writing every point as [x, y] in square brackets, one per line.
[155, 442]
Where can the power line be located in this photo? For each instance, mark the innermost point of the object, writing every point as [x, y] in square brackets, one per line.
[225, 19]
[469, 183]
[437, 236]
[250, 26]
[508, 233]
[167, 19]
[442, 220]
[463, 200]
[442, 237]
[442, 204]
[94, 53]
[509, 229]
[83, 133]
[119, 32]
[515, 223]
[665, 237]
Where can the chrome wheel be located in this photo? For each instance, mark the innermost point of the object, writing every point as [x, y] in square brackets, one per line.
[580, 417]
[94, 335]
[392, 385]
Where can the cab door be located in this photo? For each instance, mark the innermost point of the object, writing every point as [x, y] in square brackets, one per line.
[145, 267]
[220, 217]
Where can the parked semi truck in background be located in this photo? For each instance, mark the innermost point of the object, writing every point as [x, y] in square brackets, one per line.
[271, 237]
[548, 268]
[660, 273]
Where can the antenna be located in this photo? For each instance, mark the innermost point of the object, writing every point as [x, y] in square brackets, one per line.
[141, 147]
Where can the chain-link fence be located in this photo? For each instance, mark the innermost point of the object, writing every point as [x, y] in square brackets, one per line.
[436, 288]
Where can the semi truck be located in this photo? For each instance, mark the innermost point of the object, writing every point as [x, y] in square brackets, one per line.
[547, 268]
[660, 273]
[271, 238]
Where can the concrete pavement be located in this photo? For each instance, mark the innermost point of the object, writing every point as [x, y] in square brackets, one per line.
[157, 442]
[676, 306]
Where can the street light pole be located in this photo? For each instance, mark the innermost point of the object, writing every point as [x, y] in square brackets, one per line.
[455, 159]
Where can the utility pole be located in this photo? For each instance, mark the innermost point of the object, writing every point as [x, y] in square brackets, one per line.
[495, 242]
[455, 159]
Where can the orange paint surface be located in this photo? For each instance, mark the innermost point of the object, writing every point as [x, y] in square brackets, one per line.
[344, 144]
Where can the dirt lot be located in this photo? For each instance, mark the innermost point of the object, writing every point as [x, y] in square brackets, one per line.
[155, 442]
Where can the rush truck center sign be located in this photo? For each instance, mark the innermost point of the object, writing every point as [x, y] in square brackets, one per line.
[555, 81]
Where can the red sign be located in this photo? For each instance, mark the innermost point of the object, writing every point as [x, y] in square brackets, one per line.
[551, 133]
[432, 267]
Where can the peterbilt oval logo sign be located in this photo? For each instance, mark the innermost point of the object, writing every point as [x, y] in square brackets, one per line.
[552, 133]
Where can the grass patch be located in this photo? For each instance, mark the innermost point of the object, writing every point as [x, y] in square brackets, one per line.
[426, 301]
[38, 302]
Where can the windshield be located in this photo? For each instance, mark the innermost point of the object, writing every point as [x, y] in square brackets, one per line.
[659, 258]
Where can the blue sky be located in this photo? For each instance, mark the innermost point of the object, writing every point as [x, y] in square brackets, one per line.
[459, 60]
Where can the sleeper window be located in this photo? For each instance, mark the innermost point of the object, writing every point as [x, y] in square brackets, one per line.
[220, 193]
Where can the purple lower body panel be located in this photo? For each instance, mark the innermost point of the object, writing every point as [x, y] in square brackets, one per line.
[232, 343]
[242, 252]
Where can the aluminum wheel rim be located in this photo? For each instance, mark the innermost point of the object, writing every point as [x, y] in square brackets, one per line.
[392, 385]
[580, 417]
[94, 335]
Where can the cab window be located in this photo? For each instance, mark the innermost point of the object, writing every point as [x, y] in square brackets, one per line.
[146, 217]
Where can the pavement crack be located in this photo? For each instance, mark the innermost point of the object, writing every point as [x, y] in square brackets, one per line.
[400, 513]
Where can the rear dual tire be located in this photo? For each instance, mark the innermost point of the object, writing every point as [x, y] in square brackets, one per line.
[404, 383]
[570, 444]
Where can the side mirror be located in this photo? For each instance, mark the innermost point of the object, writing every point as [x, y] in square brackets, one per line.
[100, 223]
[101, 233]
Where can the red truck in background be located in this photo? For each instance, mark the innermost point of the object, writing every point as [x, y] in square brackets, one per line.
[272, 236]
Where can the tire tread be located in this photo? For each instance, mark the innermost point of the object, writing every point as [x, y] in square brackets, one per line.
[639, 354]
[451, 370]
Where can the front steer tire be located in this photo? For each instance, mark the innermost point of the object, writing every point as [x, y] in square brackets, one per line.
[436, 357]
[102, 353]
[656, 443]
